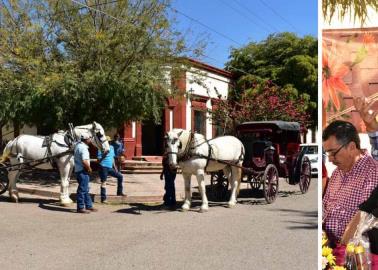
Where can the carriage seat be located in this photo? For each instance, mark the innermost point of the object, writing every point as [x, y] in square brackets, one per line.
[293, 148]
[258, 153]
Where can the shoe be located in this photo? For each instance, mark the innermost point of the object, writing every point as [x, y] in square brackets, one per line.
[92, 209]
[121, 194]
[105, 202]
[83, 211]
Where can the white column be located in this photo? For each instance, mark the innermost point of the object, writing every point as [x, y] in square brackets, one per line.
[170, 120]
[133, 129]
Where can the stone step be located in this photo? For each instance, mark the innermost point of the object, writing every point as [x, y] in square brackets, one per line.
[140, 164]
[148, 158]
[147, 168]
[140, 171]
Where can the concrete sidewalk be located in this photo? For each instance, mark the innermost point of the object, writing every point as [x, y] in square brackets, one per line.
[138, 188]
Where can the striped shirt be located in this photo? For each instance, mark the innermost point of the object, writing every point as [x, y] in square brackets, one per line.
[345, 192]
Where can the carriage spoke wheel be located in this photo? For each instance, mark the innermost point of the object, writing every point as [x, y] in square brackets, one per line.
[305, 175]
[219, 185]
[4, 182]
[254, 182]
[270, 183]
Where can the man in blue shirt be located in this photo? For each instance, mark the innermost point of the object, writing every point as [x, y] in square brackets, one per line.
[119, 149]
[106, 161]
[82, 170]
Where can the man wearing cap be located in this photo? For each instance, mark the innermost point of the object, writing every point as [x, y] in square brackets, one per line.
[82, 170]
[107, 165]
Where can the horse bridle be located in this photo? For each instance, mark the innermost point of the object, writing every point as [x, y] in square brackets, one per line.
[96, 135]
[186, 154]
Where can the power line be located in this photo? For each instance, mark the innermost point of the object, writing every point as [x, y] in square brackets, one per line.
[100, 11]
[95, 5]
[257, 16]
[115, 18]
[247, 17]
[230, 66]
[279, 15]
[204, 25]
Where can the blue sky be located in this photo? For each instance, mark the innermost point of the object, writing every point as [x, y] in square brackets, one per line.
[235, 23]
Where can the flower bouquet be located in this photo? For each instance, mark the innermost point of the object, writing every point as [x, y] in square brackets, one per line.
[328, 259]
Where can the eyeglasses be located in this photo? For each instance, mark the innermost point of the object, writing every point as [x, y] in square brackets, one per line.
[334, 153]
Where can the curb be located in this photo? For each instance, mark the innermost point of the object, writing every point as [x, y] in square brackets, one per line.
[112, 199]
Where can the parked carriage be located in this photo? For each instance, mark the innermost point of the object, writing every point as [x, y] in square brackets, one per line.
[272, 150]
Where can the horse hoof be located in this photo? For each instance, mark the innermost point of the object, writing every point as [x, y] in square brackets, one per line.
[231, 205]
[203, 210]
[14, 199]
[66, 203]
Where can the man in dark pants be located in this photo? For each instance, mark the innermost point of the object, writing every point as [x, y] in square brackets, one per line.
[82, 170]
[169, 186]
[119, 150]
[106, 161]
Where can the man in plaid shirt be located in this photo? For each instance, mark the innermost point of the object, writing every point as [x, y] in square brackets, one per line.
[352, 181]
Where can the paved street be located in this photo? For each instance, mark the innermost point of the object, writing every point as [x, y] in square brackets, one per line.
[39, 234]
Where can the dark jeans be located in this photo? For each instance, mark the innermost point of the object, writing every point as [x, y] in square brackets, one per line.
[169, 186]
[83, 197]
[104, 172]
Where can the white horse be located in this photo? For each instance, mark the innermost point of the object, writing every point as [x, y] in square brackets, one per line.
[196, 155]
[41, 152]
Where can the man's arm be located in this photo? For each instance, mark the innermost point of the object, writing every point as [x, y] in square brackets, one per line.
[87, 165]
[364, 107]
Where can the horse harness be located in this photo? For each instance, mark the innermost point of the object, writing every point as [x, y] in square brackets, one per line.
[69, 143]
[188, 155]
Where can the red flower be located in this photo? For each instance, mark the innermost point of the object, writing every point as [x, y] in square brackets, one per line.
[333, 74]
[368, 38]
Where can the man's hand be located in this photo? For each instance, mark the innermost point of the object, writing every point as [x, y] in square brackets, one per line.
[87, 166]
[363, 106]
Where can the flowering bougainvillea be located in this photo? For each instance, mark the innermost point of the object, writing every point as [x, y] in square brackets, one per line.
[263, 102]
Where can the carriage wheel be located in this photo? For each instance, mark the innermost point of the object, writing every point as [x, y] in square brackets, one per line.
[219, 186]
[270, 183]
[254, 182]
[4, 181]
[305, 175]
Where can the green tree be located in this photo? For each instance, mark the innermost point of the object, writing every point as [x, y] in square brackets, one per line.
[343, 7]
[107, 61]
[288, 61]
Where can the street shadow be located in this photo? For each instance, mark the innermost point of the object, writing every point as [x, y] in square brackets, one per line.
[46, 204]
[56, 207]
[310, 219]
[28, 200]
[284, 194]
[138, 208]
[303, 225]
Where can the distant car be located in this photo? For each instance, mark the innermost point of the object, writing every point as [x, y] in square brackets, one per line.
[311, 151]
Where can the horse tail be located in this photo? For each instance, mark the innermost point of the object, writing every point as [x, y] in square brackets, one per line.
[6, 152]
[240, 170]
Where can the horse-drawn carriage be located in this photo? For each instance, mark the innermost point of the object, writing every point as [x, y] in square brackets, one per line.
[272, 150]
